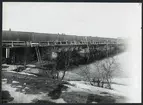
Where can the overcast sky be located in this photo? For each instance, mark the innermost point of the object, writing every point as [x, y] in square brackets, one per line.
[85, 19]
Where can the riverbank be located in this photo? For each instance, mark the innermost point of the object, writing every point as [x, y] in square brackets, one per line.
[26, 87]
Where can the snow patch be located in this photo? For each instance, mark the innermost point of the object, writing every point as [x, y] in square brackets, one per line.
[15, 82]
[80, 86]
[60, 100]
[10, 67]
[94, 102]
[18, 96]
[30, 65]
[24, 73]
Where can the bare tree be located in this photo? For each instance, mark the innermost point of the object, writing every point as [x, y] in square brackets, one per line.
[67, 63]
[85, 72]
[108, 67]
[103, 72]
[97, 74]
[56, 71]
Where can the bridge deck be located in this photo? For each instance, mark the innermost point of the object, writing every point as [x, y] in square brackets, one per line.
[50, 43]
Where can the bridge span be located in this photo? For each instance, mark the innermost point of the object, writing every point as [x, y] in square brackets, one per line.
[16, 50]
[11, 44]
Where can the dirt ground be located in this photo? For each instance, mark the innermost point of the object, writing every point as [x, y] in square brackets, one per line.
[53, 90]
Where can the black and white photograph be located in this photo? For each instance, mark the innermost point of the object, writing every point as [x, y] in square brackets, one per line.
[60, 52]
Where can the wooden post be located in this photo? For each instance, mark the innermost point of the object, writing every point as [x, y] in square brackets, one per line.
[12, 43]
[8, 55]
[7, 52]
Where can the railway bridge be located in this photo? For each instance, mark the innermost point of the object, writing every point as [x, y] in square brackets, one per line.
[18, 45]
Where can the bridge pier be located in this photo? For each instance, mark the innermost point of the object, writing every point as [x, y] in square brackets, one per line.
[8, 55]
[7, 52]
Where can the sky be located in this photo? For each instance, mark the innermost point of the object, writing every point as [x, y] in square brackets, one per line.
[83, 19]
